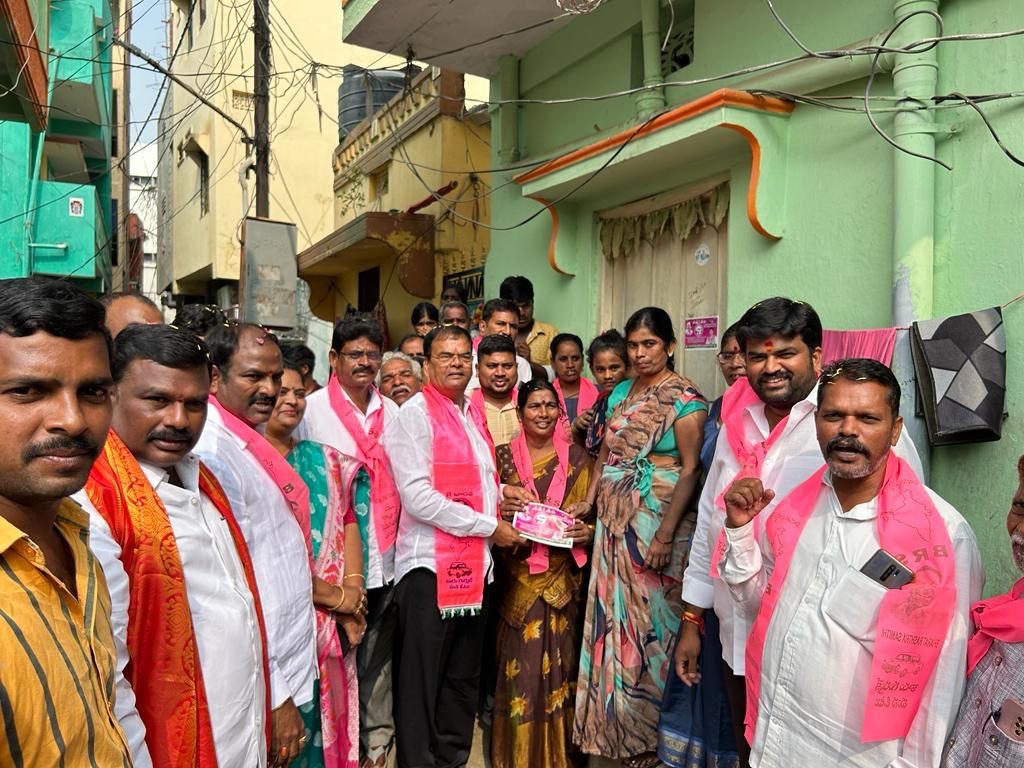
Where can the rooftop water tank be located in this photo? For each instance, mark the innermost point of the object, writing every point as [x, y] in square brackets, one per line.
[364, 91]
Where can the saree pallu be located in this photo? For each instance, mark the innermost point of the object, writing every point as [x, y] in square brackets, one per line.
[538, 638]
[334, 723]
[633, 613]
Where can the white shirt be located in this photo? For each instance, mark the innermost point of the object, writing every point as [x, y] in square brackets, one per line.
[224, 618]
[322, 425]
[279, 557]
[818, 649]
[409, 440]
[793, 458]
[524, 372]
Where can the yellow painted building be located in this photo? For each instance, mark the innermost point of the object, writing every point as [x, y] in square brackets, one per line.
[203, 200]
[428, 139]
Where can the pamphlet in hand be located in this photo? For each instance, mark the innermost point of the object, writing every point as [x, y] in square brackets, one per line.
[544, 524]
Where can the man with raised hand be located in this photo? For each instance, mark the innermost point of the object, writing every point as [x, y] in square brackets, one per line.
[59, 676]
[861, 580]
[767, 432]
[350, 415]
[443, 462]
[186, 608]
[267, 497]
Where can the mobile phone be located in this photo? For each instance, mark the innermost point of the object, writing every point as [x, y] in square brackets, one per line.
[887, 570]
[1010, 720]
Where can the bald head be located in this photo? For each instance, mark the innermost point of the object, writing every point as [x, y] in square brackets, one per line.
[126, 309]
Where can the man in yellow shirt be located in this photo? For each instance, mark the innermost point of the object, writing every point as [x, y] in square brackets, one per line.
[57, 669]
[534, 338]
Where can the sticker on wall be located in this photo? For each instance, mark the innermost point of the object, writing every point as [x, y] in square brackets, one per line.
[700, 332]
[702, 255]
[76, 207]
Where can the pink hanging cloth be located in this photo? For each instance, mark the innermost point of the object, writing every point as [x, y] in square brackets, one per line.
[874, 344]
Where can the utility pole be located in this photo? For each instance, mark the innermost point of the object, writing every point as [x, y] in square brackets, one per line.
[261, 105]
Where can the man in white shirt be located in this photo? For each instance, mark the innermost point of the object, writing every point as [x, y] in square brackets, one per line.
[863, 581]
[500, 316]
[185, 608]
[246, 381]
[767, 431]
[443, 463]
[350, 415]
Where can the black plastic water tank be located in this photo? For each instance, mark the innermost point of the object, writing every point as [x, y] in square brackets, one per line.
[364, 91]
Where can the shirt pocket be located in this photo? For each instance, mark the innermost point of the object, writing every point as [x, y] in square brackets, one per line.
[997, 751]
[854, 604]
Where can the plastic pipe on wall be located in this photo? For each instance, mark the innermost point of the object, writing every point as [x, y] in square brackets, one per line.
[651, 101]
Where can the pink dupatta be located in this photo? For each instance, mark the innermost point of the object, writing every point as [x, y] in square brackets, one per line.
[735, 402]
[539, 559]
[912, 622]
[295, 492]
[586, 398]
[385, 505]
[997, 618]
[459, 560]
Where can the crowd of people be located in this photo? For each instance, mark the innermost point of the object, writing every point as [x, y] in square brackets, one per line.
[208, 559]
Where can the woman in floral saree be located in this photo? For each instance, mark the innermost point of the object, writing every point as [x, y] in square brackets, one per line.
[539, 608]
[336, 484]
[644, 493]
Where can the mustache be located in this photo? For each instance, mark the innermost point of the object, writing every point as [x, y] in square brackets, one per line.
[172, 434]
[83, 444]
[362, 369]
[1017, 539]
[259, 399]
[777, 376]
[846, 444]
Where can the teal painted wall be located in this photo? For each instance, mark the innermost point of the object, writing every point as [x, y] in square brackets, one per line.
[837, 248]
[80, 29]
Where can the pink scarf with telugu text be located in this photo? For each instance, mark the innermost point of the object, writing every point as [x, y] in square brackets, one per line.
[458, 560]
[750, 455]
[539, 559]
[997, 618]
[912, 622]
[385, 505]
[294, 490]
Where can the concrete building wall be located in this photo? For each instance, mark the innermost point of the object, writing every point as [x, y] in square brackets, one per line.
[840, 209]
[206, 244]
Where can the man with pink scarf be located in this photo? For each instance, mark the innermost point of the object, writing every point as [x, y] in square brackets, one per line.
[442, 459]
[989, 731]
[848, 662]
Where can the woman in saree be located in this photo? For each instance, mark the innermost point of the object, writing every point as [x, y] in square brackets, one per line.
[644, 494]
[337, 486]
[539, 609]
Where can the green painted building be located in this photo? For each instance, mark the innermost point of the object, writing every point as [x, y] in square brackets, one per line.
[706, 186]
[56, 213]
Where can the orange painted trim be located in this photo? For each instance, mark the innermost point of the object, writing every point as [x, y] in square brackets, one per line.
[30, 61]
[552, 243]
[755, 179]
[724, 97]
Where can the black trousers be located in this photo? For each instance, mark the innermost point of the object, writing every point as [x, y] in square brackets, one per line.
[437, 677]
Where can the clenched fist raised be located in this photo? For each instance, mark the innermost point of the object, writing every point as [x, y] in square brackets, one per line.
[744, 501]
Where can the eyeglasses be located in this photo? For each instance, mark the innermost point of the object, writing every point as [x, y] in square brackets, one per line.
[357, 355]
[728, 357]
[447, 358]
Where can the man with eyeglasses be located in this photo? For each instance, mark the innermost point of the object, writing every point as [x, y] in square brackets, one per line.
[443, 462]
[350, 415]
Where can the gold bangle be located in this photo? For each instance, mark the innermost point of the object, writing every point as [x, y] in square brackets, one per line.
[337, 606]
[354, 576]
